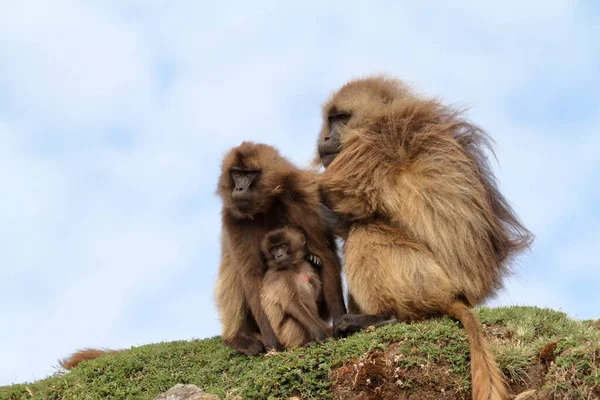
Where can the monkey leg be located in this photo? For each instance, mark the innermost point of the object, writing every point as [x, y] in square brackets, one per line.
[309, 320]
[387, 277]
[353, 308]
[245, 344]
[356, 320]
[292, 334]
[238, 328]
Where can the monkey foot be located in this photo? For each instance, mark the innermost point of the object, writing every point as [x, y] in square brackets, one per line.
[246, 345]
[352, 323]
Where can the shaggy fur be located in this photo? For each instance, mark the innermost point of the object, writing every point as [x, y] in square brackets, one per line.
[429, 232]
[290, 292]
[283, 195]
[84, 355]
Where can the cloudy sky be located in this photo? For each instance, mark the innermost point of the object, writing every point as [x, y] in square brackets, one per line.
[114, 116]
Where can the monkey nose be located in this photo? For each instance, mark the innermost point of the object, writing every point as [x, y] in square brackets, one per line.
[326, 138]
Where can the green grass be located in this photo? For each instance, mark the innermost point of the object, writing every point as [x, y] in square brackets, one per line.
[516, 335]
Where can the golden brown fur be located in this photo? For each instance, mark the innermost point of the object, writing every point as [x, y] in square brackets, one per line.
[429, 231]
[290, 292]
[84, 355]
[281, 195]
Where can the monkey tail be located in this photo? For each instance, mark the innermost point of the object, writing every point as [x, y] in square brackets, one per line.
[84, 355]
[486, 377]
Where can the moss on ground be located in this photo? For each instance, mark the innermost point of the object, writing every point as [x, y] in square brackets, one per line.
[535, 348]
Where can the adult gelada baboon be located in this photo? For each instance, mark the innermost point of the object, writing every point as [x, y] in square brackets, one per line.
[291, 289]
[428, 231]
[262, 191]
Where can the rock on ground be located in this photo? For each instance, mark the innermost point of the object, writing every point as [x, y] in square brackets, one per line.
[186, 392]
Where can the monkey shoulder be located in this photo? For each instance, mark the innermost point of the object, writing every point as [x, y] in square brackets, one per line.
[300, 186]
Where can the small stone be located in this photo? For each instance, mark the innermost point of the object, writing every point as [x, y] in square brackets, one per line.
[533, 395]
[186, 392]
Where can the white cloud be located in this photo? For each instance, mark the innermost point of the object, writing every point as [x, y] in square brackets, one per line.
[115, 115]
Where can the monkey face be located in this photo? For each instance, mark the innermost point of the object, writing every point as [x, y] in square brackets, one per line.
[281, 254]
[242, 194]
[329, 140]
[350, 108]
[283, 248]
[251, 178]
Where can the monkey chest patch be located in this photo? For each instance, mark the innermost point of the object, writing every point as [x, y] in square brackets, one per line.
[304, 278]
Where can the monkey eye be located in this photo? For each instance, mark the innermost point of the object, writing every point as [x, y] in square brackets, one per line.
[239, 172]
[339, 117]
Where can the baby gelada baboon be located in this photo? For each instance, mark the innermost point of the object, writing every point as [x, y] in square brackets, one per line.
[291, 288]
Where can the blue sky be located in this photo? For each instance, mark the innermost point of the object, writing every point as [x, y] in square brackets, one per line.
[114, 116]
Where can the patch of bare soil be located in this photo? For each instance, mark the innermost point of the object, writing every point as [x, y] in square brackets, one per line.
[375, 376]
[536, 374]
[498, 332]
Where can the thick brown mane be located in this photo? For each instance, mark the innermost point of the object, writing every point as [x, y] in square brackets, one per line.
[446, 198]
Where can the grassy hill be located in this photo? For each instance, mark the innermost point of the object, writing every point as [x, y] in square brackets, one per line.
[536, 348]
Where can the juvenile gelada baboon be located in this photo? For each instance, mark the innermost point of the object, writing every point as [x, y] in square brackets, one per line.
[291, 288]
[428, 231]
[262, 191]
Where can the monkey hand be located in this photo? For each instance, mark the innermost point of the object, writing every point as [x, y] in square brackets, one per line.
[320, 336]
[246, 345]
[334, 222]
[273, 343]
[314, 260]
[253, 349]
[325, 199]
[340, 326]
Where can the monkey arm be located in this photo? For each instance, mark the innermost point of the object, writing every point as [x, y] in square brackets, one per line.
[350, 185]
[229, 296]
[335, 223]
[323, 245]
[331, 282]
[252, 287]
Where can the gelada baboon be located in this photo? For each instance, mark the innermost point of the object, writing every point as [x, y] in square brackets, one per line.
[262, 191]
[84, 355]
[291, 288]
[428, 230]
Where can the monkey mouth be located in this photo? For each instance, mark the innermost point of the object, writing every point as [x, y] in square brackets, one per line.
[243, 204]
[327, 158]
